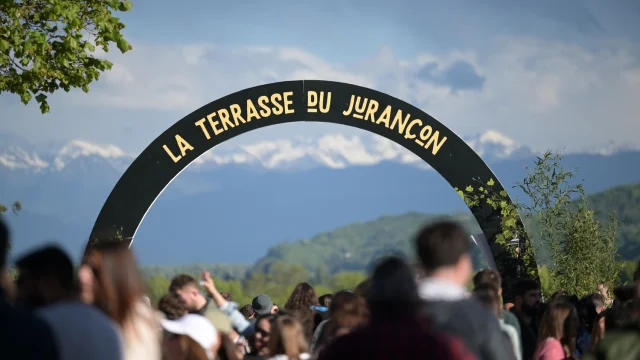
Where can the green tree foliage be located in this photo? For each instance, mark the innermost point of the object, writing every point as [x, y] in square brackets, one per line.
[47, 45]
[581, 247]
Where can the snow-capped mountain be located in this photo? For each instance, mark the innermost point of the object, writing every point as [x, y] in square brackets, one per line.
[284, 189]
[335, 151]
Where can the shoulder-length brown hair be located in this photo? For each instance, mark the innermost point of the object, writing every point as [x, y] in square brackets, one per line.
[287, 338]
[119, 285]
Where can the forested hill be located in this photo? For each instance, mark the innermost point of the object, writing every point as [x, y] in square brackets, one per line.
[354, 247]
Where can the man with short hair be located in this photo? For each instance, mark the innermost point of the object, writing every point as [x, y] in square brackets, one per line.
[527, 299]
[22, 335]
[196, 303]
[444, 251]
[46, 283]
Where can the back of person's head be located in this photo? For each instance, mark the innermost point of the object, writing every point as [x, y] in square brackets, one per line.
[595, 299]
[487, 295]
[46, 275]
[443, 245]
[325, 300]
[182, 281]
[119, 285]
[616, 317]
[361, 289]
[625, 293]
[560, 295]
[488, 276]
[393, 289]
[50, 262]
[347, 312]
[227, 296]
[303, 297]
[633, 307]
[525, 285]
[287, 338]
[172, 306]
[247, 311]
[4, 243]
[558, 321]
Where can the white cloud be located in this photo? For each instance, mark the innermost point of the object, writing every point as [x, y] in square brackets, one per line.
[545, 94]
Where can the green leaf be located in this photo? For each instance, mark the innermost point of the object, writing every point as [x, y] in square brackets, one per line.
[44, 107]
[125, 6]
[490, 182]
[469, 189]
[4, 45]
[123, 45]
[41, 97]
[461, 194]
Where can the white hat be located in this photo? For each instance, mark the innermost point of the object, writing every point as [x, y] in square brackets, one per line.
[197, 327]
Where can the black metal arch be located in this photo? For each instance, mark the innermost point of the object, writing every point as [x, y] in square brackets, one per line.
[284, 102]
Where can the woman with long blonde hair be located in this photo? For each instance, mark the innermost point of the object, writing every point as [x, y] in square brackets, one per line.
[112, 282]
[288, 341]
[558, 332]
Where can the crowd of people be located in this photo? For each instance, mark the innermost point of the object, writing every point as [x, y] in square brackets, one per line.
[54, 311]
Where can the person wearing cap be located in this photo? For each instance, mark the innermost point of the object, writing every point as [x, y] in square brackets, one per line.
[191, 334]
[263, 305]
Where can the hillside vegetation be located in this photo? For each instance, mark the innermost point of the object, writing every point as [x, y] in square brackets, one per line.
[338, 259]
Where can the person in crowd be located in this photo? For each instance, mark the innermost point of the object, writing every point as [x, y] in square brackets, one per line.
[300, 303]
[489, 297]
[361, 289]
[248, 312]
[347, 312]
[118, 291]
[263, 327]
[558, 332]
[527, 299]
[325, 300]
[227, 296]
[230, 350]
[597, 331]
[588, 309]
[172, 306]
[187, 287]
[242, 328]
[444, 251]
[191, 337]
[47, 283]
[23, 336]
[288, 340]
[396, 327]
[263, 305]
[493, 278]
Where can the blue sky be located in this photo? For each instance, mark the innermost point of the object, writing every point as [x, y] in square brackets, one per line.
[550, 74]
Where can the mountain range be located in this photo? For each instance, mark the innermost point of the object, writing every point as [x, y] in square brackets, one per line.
[237, 201]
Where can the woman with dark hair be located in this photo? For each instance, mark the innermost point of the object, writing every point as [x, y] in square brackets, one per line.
[258, 341]
[114, 285]
[300, 304]
[396, 327]
[558, 332]
[347, 312]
